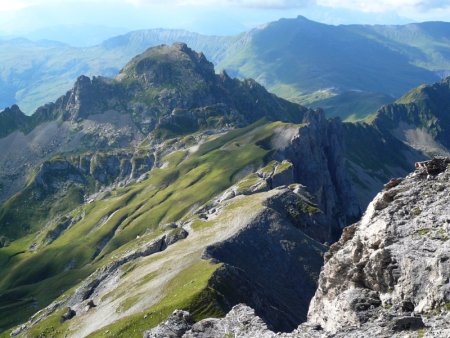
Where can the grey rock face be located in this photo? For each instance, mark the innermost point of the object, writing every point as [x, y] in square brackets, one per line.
[23, 153]
[279, 174]
[241, 321]
[271, 264]
[68, 315]
[49, 173]
[317, 154]
[105, 168]
[395, 262]
[175, 326]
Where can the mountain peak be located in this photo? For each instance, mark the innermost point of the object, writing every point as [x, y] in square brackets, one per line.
[166, 64]
[424, 110]
[13, 110]
[12, 119]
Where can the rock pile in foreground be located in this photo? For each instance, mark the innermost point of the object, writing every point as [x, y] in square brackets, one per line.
[388, 275]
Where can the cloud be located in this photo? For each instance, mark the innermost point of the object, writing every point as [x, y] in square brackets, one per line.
[8, 5]
[380, 6]
[285, 4]
[368, 6]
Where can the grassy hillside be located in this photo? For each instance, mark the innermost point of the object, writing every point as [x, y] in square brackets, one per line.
[307, 56]
[352, 105]
[127, 217]
[387, 144]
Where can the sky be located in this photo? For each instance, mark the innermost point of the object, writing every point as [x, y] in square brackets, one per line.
[84, 22]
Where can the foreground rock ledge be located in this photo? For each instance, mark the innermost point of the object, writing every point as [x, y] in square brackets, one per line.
[388, 275]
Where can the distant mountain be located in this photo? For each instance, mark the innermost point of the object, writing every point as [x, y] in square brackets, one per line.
[350, 69]
[295, 57]
[84, 35]
[421, 118]
[34, 73]
[413, 128]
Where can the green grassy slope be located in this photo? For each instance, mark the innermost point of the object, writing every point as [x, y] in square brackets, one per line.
[387, 143]
[310, 56]
[424, 44]
[113, 224]
[426, 107]
[352, 105]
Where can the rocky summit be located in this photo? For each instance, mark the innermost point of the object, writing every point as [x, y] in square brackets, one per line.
[387, 276]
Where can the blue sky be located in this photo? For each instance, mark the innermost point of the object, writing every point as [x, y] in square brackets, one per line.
[96, 19]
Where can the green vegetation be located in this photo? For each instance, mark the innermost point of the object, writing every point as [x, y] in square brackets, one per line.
[288, 58]
[26, 213]
[189, 290]
[283, 166]
[444, 235]
[248, 182]
[44, 71]
[352, 106]
[420, 333]
[51, 326]
[425, 107]
[423, 231]
[416, 211]
[366, 146]
[131, 215]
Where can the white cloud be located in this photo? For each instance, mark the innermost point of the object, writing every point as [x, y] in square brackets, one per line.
[8, 5]
[235, 3]
[379, 6]
[369, 6]
[17, 5]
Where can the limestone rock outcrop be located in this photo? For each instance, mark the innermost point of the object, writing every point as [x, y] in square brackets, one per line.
[392, 267]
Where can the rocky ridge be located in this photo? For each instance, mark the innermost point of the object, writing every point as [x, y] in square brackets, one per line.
[164, 92]
[221, 244]
[373, 281]
[287, 221]
[412, 129]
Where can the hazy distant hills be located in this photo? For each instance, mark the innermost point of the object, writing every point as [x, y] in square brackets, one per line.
[297, 57]
[34, 73]
[350, 69]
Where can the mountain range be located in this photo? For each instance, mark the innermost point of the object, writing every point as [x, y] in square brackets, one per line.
[171, 186]
[349, 69]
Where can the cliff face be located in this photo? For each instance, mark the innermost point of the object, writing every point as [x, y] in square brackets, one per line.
[425, 110]
[317, 152]
[390, 271]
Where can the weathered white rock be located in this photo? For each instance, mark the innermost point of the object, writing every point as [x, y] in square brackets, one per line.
[395, 263]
